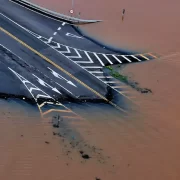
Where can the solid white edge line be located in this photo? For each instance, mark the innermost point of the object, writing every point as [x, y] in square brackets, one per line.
[39, 13]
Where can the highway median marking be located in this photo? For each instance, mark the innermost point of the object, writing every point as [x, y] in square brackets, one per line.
[60, 68]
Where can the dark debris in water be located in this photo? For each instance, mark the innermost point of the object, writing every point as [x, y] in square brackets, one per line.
[85, 156]
[97, 178]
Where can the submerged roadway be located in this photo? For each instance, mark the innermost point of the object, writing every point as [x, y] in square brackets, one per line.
[51, 62]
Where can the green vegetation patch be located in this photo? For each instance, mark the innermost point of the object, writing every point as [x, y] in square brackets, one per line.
[117, 75]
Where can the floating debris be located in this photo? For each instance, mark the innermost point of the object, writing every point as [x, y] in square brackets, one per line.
[98, 178]
[86, 156]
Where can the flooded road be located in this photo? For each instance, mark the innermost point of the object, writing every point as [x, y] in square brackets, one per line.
[141, 146]
[148, 25]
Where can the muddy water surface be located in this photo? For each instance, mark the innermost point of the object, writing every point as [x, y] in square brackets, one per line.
[140, 147]
[148, 25]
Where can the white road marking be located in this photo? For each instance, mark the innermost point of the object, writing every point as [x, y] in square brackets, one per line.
[68, 51]
[63, 23]
[144, 57]
[46, 102]
[55, 33]
[79, 56]
[73, 35]
[115, 57]
[96, 67]
[58, 46]
[37, 12]
[118, 86]
[95, 72]
[41, 94]
[59, 28]
[103, 77]
[107, 59]
[50, 39]
[24, 81]
[57, 50]
[65, 88]
[90, 60]
[110, 81]
[135, 57]
[43, 83]
[99, 59]
[61, 77]
[126, 58]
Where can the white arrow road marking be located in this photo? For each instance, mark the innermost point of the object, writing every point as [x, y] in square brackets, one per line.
[61, 77]
[41, 93]
[33, 87]
[75, 36]
[46, 84]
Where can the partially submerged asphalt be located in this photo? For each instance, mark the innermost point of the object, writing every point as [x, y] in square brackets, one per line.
[21, 68]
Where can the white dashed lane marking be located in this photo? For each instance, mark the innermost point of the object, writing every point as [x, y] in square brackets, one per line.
[54, 33]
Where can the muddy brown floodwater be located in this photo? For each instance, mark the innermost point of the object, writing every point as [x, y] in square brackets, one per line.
[143, 147]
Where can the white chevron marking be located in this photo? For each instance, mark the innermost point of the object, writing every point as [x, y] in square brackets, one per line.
[79, 56]
[110, 82]
[99, 59]
[144, 57]
[103, 77]
[107, 59]
[90, 60]
[126, 58]
[135, 57]
[58, 46]
[68, 51]
[116, 58]
[92, 67]
[95, 72]
[49, 40]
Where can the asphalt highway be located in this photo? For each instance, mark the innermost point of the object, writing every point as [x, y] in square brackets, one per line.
[51, 61]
